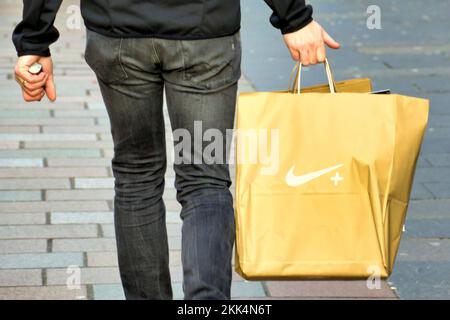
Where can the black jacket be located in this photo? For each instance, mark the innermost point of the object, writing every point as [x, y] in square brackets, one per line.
[172, 19]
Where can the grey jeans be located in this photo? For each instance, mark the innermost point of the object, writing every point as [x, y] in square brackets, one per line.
[200, 81]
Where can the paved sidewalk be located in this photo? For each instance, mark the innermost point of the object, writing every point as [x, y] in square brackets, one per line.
[56, 181]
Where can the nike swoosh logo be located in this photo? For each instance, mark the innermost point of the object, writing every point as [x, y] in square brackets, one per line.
[294, 181]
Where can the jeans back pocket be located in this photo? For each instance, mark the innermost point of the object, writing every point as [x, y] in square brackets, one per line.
[103, 55]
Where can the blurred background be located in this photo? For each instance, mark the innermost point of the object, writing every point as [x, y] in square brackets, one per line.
[56, 232]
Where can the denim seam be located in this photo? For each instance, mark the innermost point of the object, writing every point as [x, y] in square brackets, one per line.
[148, 254]
[155, 54]
[180, 45]
[120, 58]
[184, 58]
[196, 254]
[135, 280]
[159, 267]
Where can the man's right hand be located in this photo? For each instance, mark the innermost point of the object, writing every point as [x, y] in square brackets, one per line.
[307, 45]
[35, 87]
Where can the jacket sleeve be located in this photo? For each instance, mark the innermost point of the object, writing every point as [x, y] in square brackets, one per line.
[36, 32]
[289, 15]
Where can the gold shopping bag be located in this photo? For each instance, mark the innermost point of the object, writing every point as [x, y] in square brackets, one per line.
[323, 180]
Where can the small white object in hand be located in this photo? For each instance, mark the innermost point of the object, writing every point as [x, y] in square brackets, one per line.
[35, 68]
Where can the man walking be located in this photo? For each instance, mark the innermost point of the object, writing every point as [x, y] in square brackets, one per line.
[191, 50]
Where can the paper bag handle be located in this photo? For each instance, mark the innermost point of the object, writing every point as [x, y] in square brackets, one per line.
[297, 80]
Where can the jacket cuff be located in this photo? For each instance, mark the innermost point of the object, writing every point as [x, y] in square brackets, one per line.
[300, 24]
[295, 21]
[297, 26]
[41, 53]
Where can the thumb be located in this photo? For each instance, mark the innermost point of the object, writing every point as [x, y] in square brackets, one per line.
[329, 41]
[50, 89]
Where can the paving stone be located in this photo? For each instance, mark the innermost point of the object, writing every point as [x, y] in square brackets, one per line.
[77, 129]
[108, 292]
[77, 98]
[96, 106]
[422, 279]
[99, 194]
[409, 61]
[20, 129]
[40, 260]
[50, 153]
[103, 122]
[47, 121]
[177, 290]
[175, 257]
[439, 104]
[9, 145]
[173, 217]
[238, 289]
[435, 145]
[86, 183]
[172, 205]
[20, 195]
[175, 242]
[441, 121]
[102, 259]
[12, 278]
[105, 136]
[421, 191]
[423, 162]
[42, 105]
[439, 189]
[428, 228]
[22, 246]
[176, 273]
[170, 194]
[93, 162]
[50, 206]
[22, 218]
[437, 133]
[245, 289]
[94, 144]
[108, 153]
[327, 289]
[439, 159]
[48, 231]
[34, 184]
[169, 179]
[85, 245]
[52, 172]
[88, 275]
[42, 293]
[14, 163]
[424, 250]
[432, 174]
[429, 209]
[80, 114]
[81, 217]
[14, 113]
[108, 230]
[174, 229]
